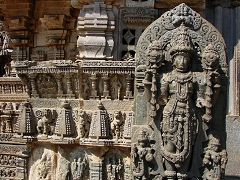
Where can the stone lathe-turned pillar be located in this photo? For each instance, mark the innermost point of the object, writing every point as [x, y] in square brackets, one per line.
[177, 132]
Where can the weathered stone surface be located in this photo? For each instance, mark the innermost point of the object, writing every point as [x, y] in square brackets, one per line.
[94, 89]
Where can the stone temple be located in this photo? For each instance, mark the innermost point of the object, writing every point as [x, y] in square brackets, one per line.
[119, 89]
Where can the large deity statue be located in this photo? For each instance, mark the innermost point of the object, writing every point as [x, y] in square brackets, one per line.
[179, 73]
[179, 118]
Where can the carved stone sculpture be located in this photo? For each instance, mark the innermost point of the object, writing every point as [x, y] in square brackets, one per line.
[98, 43]
[114, 169]
[78, 167]
[178, 76]
[5, 50]
[214, 160]
[117, 124]
[4, 41]
[142, 156]
[26, 125]
[83, 125]
[43, 125]
[100, 123]
[140, 101]
[64, 123]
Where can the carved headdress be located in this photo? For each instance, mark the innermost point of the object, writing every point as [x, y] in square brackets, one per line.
[210, 57]
[181, 41]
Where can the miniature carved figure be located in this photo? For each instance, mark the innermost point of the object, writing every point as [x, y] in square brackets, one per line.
[47, 86]
[78, 167]
[84, 125]
[4, 41]
[43, 125]
[117, 124]
[5, 50]
[114, 169]
[142, 156]
[2, 126]
[116, 88]
[43, 168]
[209, 91]
[214, 160]
[86, 88]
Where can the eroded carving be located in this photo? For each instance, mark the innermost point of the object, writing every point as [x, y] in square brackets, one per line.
[117, 124]
[42, 168]
[78, 168]
[44, 123]
[214, 160]
[83, 124]
[142, 156]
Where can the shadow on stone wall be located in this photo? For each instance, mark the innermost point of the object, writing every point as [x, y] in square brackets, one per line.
[232, 178]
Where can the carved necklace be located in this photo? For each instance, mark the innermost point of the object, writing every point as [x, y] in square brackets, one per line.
[182, 91]
[182, 80]
[182, 77]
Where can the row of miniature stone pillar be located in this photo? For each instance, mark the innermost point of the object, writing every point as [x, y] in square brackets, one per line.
[106, 92]
[12, 88]
[34, 93]
[94, 91]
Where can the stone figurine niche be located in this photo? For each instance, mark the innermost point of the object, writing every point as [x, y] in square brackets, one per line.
[180, 93]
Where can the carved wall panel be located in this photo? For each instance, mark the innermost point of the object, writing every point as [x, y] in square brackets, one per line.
[103, 92]
[180, 73]
[13, 162]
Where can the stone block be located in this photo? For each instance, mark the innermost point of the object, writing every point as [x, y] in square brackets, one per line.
[233, 147]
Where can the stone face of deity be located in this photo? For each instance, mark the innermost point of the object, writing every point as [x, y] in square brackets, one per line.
[181, 62]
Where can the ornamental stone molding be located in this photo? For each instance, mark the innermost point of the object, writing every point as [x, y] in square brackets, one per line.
[96, 23]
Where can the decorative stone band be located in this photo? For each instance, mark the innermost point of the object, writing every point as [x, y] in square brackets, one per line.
[122, 67]
[56, 66]
[140, 15]
[20, 150]
[12, 88]
[39, 69]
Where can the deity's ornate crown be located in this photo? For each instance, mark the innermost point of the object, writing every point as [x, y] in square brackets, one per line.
[210, 51]
[181, 41]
